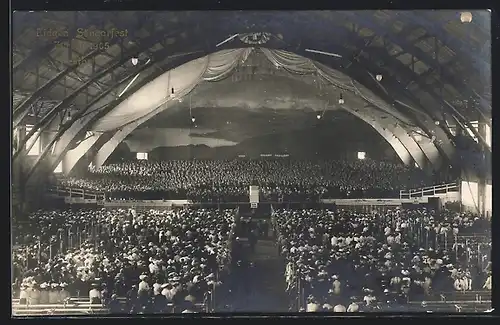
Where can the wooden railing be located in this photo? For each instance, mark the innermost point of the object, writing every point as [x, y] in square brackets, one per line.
[459, 301]
[82, 305]
[73, 306]
[77, 193]
[429, 191]
[450, 306]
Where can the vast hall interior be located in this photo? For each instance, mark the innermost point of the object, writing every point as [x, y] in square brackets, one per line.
[270, 162]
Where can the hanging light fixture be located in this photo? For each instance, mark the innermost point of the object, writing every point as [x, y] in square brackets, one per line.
[379, 77]
[466, 17]
[341, 100]
[193, 119]
[135, 61]
[168, 86]
[318, 116]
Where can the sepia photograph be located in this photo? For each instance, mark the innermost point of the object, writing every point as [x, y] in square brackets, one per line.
[251, 162]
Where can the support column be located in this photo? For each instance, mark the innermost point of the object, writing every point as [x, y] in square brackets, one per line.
[481, 196]
[21, 133]
[457, 159]
[48, 135]
[413, 162]
[482, 174]
[45, 139]
[18, 191]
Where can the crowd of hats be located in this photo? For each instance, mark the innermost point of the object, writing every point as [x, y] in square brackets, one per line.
[46, 225]
[43, 293]
[379, 260]
[291, 180]
[180, 251]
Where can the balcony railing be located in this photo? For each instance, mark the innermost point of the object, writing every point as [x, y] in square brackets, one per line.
[78, 193]
[429, 191]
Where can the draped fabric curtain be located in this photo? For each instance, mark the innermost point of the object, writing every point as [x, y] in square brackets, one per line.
[223, 63]
[153, 95]
[298, 64]
[156, 96]
[291, 62]
[335, 77]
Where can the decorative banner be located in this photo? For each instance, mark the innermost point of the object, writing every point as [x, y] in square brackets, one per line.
[277, 155]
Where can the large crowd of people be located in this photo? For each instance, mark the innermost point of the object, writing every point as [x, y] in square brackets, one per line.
[229, 180]
[157, 259]
[166, 261]
[353, 261]
[163, 261]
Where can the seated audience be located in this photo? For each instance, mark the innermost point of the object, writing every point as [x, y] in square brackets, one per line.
[123, 254]
[388, 258]
[228, 181]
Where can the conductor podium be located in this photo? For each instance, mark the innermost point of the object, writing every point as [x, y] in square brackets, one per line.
[254, 197]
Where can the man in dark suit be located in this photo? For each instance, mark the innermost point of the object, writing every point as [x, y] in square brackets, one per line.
[132, 299]
[114, 305]
[253, 238]
[159, 303]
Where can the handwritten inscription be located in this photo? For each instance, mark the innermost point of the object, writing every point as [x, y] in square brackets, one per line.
[78, 61]
[59, 37]
[82, 32]
[93, 46]
[108, 33]
[51, 33]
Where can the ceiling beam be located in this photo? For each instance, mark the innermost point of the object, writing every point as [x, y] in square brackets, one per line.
[435, 26]
[41, 52]
[401, 68]
[359, 73]
[151, 41]
[476, 61]
[440, 102]
[425, 57]
[34, 96]
[86, 19]
[157, 57]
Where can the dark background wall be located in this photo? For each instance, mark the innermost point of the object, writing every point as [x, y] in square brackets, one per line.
[327, 141]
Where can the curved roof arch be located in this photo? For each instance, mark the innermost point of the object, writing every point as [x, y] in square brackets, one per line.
[360, 26]
[213, 67]
[344, 82]
[165, 86]
[424, 57]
